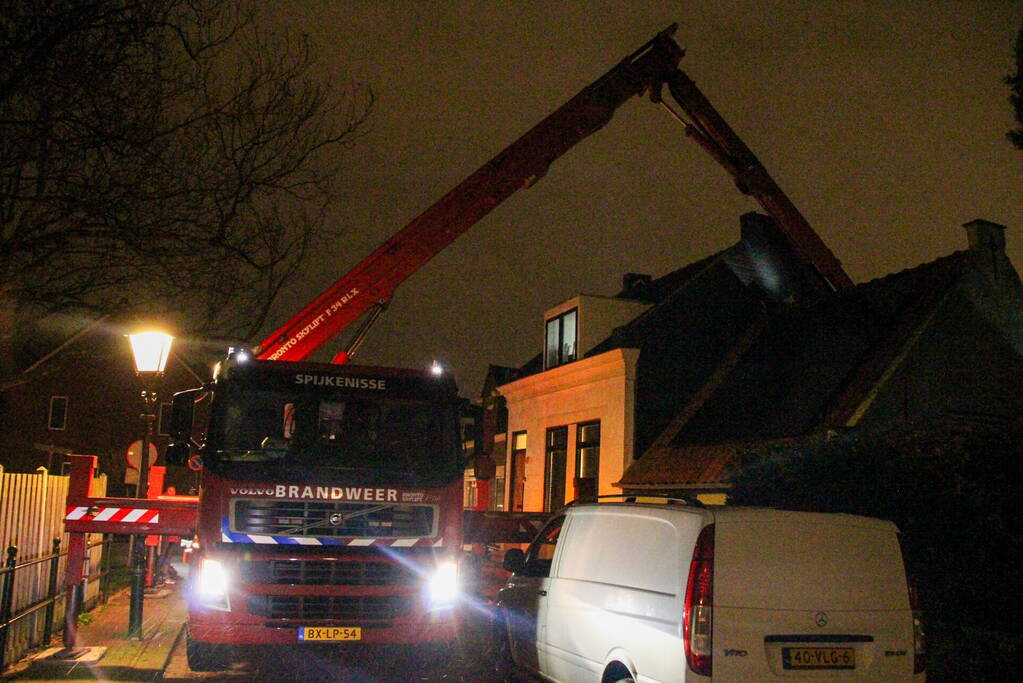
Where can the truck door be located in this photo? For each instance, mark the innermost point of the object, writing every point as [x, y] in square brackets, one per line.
[525, 597]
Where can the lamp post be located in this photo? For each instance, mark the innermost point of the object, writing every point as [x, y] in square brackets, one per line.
[150, 351]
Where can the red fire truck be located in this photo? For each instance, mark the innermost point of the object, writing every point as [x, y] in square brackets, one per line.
[330, 506]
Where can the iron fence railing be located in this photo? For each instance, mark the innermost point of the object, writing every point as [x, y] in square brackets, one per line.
[55, 590]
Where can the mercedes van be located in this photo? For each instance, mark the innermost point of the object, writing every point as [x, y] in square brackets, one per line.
[667, 590]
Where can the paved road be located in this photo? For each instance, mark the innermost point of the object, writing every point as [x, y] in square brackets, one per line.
[470, 662]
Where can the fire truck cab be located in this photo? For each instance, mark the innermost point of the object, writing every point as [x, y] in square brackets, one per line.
[330, 508]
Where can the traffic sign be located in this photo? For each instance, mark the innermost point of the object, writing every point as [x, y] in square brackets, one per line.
[134, 451]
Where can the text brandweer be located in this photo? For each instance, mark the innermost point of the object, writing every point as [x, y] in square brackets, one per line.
[322, 492]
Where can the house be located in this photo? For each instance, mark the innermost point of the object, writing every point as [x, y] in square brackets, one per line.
[83, 397]
[489, 493]
[658, 388]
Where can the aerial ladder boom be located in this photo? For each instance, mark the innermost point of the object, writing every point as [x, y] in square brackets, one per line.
[372, 282]
[369, 286]
[710, 130]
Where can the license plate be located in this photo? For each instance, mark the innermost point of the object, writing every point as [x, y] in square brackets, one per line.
[308, 634]
[818, 658]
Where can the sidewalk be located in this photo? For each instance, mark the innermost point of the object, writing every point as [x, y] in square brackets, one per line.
[102, 633]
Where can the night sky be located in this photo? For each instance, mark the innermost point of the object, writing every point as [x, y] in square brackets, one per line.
[884, 122]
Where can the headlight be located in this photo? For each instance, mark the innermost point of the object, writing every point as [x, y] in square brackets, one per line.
[213, 585]
[442, 586]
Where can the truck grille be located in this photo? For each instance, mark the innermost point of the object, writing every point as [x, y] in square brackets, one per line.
[329, 607]
[325, 573]
[333, 520]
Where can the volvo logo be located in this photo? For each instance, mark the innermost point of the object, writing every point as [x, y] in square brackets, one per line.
[821, 619]
[336, 519]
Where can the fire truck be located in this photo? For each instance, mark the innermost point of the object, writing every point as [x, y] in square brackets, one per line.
[330, 504]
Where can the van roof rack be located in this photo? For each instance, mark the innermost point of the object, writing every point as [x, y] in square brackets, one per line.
[633, 498]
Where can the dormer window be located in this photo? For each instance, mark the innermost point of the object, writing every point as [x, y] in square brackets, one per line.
[561, 339]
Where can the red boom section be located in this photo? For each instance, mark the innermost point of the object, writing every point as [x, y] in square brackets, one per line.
[713, 133]
[374, 280]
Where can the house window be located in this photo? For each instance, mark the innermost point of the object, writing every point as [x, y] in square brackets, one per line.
[469, 495]
[164, 422]
[587, 459]
[555, 469]
[517, 467]
[497, 489]
[497, 486]
[561, 336]
[58, 413]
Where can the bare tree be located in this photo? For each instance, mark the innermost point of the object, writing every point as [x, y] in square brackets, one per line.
[1015, 81]
[162, 155]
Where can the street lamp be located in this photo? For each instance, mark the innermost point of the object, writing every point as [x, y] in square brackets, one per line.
[150, 351]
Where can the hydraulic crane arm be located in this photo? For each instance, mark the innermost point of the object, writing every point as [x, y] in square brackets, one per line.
[371, 284]
[707, 127]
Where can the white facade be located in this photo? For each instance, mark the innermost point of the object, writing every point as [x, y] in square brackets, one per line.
[600, 388]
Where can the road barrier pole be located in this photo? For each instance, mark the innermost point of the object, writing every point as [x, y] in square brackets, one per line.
[73, 584]
[104, 569]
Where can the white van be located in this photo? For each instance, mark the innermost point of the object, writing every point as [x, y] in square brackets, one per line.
[661, 590]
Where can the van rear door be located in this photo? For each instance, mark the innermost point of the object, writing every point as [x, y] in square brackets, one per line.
[799, 594]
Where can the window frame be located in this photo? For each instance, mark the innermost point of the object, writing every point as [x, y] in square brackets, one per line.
[533, 563]
[580, 444]
[49, 417]
[470, 494]
[550, 477]
[562, 358]
[516, 465]
[499, 484]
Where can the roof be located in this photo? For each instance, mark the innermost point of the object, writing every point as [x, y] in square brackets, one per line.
[808, 369]
[902, 303]
[690, 467]
[681, 467]
[750, 346]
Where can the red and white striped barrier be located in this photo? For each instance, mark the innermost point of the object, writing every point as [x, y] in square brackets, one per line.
[127, 515]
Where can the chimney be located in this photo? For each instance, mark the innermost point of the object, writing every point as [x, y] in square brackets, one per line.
[636, 285]
[985, 236]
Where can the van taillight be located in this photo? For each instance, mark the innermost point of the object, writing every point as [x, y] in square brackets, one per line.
[919, 642]
[698, 618]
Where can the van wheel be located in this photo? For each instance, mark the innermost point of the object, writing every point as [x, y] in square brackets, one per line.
[617, 673]
[206, 656]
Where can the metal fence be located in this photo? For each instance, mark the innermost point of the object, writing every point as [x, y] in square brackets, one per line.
[32, 508]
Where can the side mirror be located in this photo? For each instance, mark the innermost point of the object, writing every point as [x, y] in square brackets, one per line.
[177, 453]
[514, 560]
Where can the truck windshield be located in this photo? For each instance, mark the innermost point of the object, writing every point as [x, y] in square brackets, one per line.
[333, 431]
